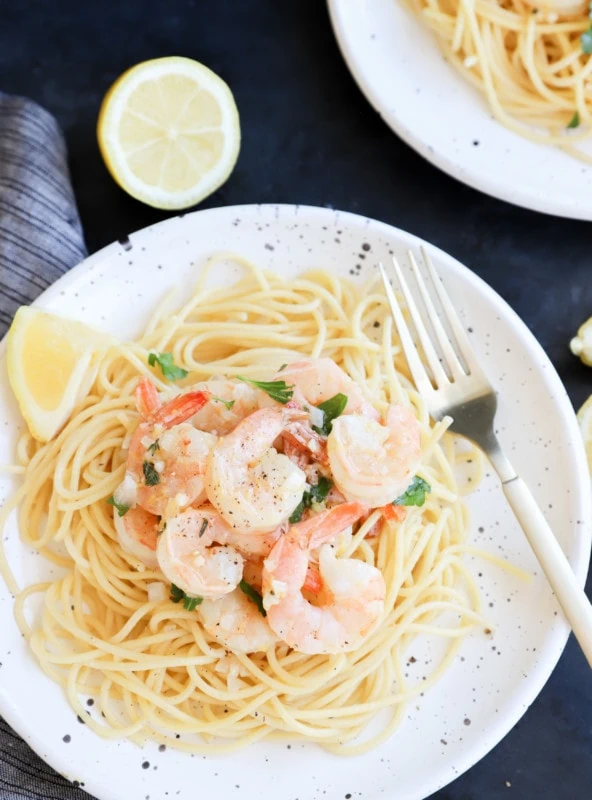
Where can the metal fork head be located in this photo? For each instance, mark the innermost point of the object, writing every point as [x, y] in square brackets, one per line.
[453, 382]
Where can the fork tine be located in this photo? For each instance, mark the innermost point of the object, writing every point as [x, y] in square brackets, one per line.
[433, 360]
[450, 356]
[462, 340]
[418, 372]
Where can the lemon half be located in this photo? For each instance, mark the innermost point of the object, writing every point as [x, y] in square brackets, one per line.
[585, 419]
[52, 362]
[169, 132]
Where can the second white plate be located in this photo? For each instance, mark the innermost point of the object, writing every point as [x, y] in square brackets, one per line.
[398, 65]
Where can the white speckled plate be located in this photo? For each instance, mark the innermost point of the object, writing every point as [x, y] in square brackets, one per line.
[492, 682]
[398, 65]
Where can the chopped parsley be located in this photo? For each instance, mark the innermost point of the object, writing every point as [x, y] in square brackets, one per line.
[151, 476]
[331, 409]
[168, 368]
[121, 507]
[316, 494]
[154, 447]
[189, 602]
[296, 515]
[227, 403]
[277, 390]
[574, 121]
[176, 594]
[253, 595]
[586, 37]
[415, 494]
[202, 530]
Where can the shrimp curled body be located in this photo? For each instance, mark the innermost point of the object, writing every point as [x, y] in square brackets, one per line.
[193, 555]
[250, 484]
[319, 379]
[354, 591]
[373, 463]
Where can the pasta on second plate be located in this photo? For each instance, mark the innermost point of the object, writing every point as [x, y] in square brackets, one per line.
[531, 60]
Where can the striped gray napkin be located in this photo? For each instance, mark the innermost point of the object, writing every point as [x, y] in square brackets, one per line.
[40, 232]
[40, 239]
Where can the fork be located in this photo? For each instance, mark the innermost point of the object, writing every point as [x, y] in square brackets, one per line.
[459, 388]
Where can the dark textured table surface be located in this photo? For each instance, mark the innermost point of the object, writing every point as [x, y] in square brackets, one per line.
[309, 136]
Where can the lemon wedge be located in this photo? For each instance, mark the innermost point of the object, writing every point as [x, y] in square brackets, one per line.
[52, 362]
[169, 132]
[581, 345]
[585, 419]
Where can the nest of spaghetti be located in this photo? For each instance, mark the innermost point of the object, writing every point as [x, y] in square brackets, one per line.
[253, 518]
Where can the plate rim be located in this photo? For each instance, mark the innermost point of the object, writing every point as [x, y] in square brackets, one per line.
[581, 548]
[517, 196]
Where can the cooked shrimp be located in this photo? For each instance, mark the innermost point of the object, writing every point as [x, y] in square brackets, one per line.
[236, 623]
[353, 591]
[167, 456]
[320, 379]
[255, 545]
[373, 463]
[137, 531]
[215, 416]
[192, 554]
[254, 487]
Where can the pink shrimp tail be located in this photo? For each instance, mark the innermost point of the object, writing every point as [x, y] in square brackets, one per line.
[313, 582]
[147, 399]
[321, 528]
[394, 513]
[181, 408]
[174, 412]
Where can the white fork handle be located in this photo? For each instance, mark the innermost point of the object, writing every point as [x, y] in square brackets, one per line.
[571, 597]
